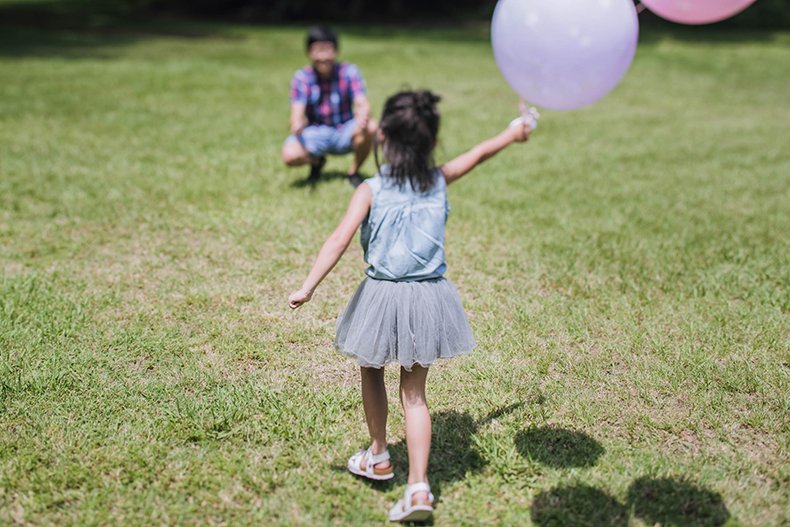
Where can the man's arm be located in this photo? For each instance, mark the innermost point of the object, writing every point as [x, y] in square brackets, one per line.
[300, 91]
[360, 97]
[361, 111]
[298, 118]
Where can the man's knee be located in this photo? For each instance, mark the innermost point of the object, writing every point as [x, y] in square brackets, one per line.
[364, 136]
[294, 154]
[373, 126]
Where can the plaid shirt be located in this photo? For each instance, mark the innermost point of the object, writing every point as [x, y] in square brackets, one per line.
[328, 101]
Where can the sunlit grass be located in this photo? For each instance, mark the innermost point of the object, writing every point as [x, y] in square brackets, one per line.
[626, 273]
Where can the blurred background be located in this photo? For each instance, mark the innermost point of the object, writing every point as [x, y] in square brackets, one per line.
[773, 14]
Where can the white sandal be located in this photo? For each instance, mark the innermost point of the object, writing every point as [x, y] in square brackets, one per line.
[406, 511]
[370, 471]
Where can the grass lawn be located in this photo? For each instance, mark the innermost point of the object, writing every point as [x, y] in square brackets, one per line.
[626, 273]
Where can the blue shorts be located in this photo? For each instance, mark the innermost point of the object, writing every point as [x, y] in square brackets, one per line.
[319, 139]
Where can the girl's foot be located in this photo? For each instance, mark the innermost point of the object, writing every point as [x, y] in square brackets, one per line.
[376, 467]
[416, 505]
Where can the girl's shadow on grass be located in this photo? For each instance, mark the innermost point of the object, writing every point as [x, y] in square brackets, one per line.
[453, 456]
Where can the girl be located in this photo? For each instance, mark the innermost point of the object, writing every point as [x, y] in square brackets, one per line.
[404, 311]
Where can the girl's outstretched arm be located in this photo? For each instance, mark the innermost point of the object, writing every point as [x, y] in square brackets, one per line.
[334, 246]
[462, 164]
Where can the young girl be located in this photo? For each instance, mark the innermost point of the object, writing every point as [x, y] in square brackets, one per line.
[404, 311]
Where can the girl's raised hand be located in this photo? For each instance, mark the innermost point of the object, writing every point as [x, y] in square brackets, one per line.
[519, 130]
[521, 127]
[298, 298]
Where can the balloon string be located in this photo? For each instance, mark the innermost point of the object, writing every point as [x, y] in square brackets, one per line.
[640, 7]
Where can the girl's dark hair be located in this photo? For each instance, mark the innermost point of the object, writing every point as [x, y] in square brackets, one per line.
[321, 34]
[410, 124]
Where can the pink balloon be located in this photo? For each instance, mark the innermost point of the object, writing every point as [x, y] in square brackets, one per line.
[696, 11]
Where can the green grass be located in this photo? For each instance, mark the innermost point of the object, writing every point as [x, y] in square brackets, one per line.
[626, 273]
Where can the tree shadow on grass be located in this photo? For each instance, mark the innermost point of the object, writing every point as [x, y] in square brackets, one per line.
[658, 31]
[86, 28]
[421, 33]
[652, 31]
[676, 502]
[557, 447]
[669, 502]
[579, 506]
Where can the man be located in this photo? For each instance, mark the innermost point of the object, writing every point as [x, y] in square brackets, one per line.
[330, 112]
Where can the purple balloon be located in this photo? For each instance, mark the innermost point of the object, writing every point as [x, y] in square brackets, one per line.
[696, 11]
[564, 54]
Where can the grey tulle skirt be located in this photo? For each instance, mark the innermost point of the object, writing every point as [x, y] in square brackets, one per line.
[405, 322]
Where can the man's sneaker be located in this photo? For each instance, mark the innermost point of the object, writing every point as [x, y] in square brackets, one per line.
[355, 179]
[315, 170]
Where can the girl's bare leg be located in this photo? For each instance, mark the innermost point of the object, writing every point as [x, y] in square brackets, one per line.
[418, 424]
[374, 400]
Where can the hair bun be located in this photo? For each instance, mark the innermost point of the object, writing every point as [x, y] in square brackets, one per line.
[425, 101]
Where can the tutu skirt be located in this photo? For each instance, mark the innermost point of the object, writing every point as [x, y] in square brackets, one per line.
[405, 322]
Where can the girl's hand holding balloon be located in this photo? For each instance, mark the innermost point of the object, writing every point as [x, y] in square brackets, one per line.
[519, 130]
[522, 126]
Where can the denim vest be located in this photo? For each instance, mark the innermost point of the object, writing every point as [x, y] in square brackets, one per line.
[403, 235]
